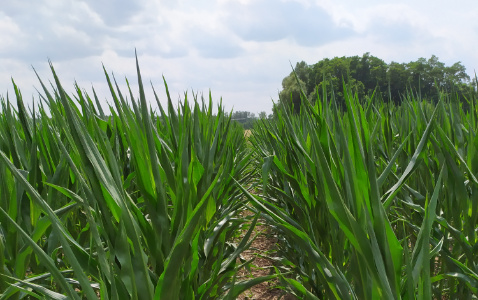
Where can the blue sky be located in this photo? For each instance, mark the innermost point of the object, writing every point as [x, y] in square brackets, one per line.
[240, 50]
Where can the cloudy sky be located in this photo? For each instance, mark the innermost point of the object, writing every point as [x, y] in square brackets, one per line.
[240, 50]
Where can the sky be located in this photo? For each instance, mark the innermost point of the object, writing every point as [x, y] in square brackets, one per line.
[239, 50]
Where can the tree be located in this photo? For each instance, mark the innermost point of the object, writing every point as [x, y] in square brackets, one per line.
[368, 74]
[397, 77]
[290, 95]
[245, 118]
[456, 73]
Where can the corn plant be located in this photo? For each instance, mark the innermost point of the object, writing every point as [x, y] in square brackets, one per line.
[121, 204]
[375, 201]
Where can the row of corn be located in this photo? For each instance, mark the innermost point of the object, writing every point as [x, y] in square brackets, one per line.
[128, 203]
[374, 201]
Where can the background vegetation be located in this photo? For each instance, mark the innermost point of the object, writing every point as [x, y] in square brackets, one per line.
[369, 74]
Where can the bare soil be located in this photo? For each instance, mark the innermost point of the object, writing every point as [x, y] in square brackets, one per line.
[262, 247]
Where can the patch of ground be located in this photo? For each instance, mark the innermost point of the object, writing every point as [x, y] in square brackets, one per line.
[262, 247]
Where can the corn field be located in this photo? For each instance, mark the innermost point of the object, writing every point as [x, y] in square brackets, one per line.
[370, 201]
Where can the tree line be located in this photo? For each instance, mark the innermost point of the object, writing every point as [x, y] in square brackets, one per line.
[246, 118]
[368, 74]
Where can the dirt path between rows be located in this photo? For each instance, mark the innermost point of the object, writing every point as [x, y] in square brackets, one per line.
[262, 247]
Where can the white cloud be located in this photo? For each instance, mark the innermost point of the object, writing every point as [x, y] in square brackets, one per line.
[8, 31]
[271, 20]
[240, 49]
